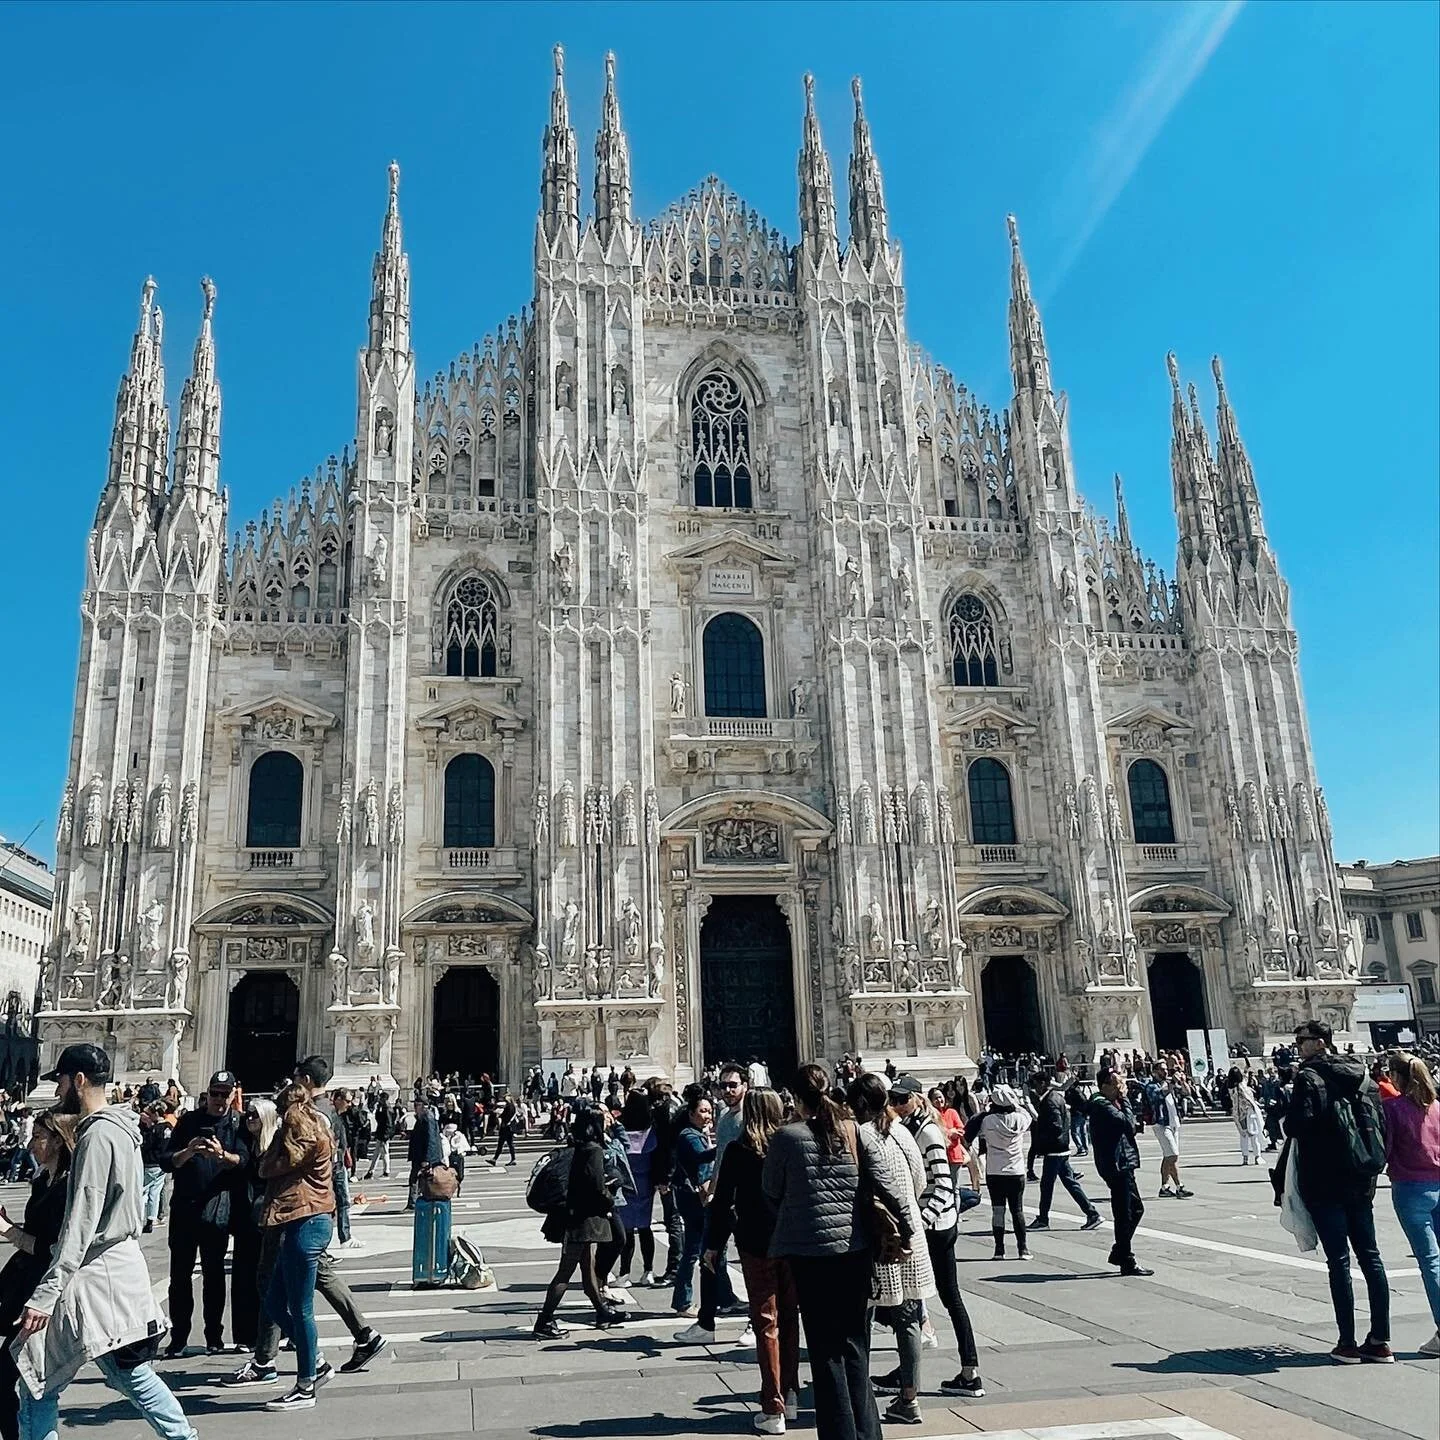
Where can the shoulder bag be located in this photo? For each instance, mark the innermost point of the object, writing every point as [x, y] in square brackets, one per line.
[883, 1230]
[439, 1182]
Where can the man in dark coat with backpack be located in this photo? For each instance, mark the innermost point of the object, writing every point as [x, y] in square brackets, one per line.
[1336, 1119]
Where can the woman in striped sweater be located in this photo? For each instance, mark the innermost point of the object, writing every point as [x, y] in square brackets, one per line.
[940, 1216]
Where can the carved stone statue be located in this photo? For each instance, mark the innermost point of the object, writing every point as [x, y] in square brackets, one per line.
[652, 818]
[67, 816]
[152, 920]
[370, 810]
[540, 817]
[1132, 961]
[394, 818]
[1068, 593]
[164, 815]
[905, 588]
[364, 929]
[1254, 815]
[655, 972]
[342, 823]
[1113, 820]
[679, 692]
[850, 586]
[1324, 922]
[1322, 813]
[592, 973]
[392, 977]
[619, 392]
[339, 978]
[82, 920]
[384, 434]
[837, 924]
[1304, 815]
[119, 812]
[179, 979]
[564, 563]
[1270, 908]
[189, 808]
[93, 829]
[569, 931]
[924, 815]
[1071, 811]
[800, 699]
[624, 571]
[947, 816]
[379, 562]
[567, 814]
[1092, 808]
[1109, 933]
[933, 922]
[1232, 813]
[866, 802]
[630, 927]
[879, 946]
[844, 828]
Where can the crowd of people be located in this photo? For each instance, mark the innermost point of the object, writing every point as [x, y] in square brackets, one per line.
[840, 1195]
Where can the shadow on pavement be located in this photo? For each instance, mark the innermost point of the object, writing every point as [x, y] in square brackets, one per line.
[1243, 1360]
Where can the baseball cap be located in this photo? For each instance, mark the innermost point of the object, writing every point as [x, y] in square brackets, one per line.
[223, 1079]
[906, 1085]
[87, 1060]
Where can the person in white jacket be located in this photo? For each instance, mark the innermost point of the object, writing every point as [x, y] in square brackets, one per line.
[95, 1302]
[1003, 1128]
[1245, 1111]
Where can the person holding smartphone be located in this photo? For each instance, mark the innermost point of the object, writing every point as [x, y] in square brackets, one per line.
[208, 1157]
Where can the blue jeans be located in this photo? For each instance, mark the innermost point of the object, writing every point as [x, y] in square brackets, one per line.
[342, 1203]
[23, 1158]
[1080, 1133]
[154, 1192]
[692, 1212]
[146, 1391]
[1418, 1206]
[1342, 1226]
[290, 1300]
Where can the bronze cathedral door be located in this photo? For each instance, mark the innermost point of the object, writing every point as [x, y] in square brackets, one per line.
[747, 997]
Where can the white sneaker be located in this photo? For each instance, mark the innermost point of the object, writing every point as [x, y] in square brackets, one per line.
[747, 1336]
[616, 1296]
[353, 1243]
[792, 1405]
[697, 1334]
[929, 1340]
[648, 1278]
[1432, 1345]
[769, 1424]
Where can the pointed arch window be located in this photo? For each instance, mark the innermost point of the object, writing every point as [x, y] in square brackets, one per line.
[992, 811]
[469, 803]
[470, 626]
[734, 667]
[972, 643]
[1150, 814]
[720, 442]
[272, 817]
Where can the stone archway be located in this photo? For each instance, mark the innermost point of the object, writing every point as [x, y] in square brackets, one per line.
[465, 1028]
[1010, 1006]
[262, 1033]
[1177, 998]
[747, 1000]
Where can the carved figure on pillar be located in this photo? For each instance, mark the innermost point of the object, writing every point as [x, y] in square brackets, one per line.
[924, 815]
[1324, 922]
[152, 919]
[625, 819]
[94, 821]
[189, 806]
[540, 818]
[342, 822]
[392, 976]
[1113, 820]
[933, 921]
[370, 811]
[844, 830]
[1071, 810]
[624, 571]
[1232, 813]
[379, 562]
[679, 691]
[1271, 909]
[567, 814]
[879, 945]
[179, 979]
[339, 978]
[394, 818]
[570, 931]
[564, 563]
[364, 929]
[630, 928]
[850, 586]
[947, 816]
[544, 973]
[82, 920]
[905, 588]
[164, 815]
[1092, 808]
[655, 972]
[800, 699]
[67, 816]
[866, 802]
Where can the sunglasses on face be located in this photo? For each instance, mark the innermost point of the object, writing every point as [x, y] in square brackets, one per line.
[252, 1114]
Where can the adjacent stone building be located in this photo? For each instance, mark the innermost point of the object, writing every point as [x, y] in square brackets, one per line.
[1396, 909]
[26, 895]
[692, 669]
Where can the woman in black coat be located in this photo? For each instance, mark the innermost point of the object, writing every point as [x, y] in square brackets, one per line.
[585, 1222]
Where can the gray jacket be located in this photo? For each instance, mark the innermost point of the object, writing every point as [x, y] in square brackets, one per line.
[818, 1196]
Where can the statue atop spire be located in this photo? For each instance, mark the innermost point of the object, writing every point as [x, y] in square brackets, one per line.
[1029, 359]
[612, 162]
[197, 445]
[390, 281]
[139, 442]
[1241, 496]
[869, 228]
[1122, 515]
[560, 174]
[817, 190]
[1192, 469]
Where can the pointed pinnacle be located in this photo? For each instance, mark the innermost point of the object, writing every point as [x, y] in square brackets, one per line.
[394, 172]
[559, 55]
[609, 72]
[147, 295]
[1173, 366]
[1219, 374]
[809, 95]
[207, 288]
[1014, 230]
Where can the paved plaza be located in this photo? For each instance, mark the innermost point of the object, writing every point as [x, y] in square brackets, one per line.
[1227, 1340]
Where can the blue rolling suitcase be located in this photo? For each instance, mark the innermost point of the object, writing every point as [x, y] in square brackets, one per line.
[430, 1260]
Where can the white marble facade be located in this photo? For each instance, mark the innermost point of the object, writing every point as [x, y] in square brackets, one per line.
[695, 419]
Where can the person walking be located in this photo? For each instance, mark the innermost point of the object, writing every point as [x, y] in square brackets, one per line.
[94, 1300]
[1004, 1128]
[739, 1208]
[637, 1211]
[52, 1143]
[1336, 1121]
[207, 1157]
[21, 1159]
[694, 1166]
[1117, 1158]
[509, 1123]
[1412, 1153]
[382, 1127]
[1051, 1131]
[1164, 1117]
[340, 1116]
[155, 1127]
[939, 1213]
[820, 1175]
[1245, 1112]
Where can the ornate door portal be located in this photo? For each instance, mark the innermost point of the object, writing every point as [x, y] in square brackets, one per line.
[262, 1043]
[747, 997]
[467, 1024]
[1177, 999]
[1010, 1003]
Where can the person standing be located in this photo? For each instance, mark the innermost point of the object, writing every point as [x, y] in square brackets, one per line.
[1003, 1128]
[1117, 1158]
[637, 1212]
[1336, 1120]
[1165, 1117]
[424, 1147]
[340, 1115]
[22, 1159]
[1245, 1112]
[383, 1126]
[246, 1206]
[694, 1165]
[155, 1127]
[94, 1302]
[1412, 1151]
[1051, 1131]
[207, 1156]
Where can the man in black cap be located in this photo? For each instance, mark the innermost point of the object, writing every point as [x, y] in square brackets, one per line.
[208, 1158]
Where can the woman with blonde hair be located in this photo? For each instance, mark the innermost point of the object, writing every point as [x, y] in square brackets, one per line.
[1412, 1152]
[253, 1260]
[739, 1207]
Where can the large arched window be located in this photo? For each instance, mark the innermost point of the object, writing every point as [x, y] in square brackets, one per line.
[272, 818]
[1150, 804]
[972, 643]
[720, 440]
[992, 814]
[470, 621]
[734, 667]
[469, 803]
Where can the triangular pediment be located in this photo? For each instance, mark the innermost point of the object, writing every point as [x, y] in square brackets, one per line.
[471, 717]
[986, 716]
[276, 717]
[730, 545]
[1147, 720]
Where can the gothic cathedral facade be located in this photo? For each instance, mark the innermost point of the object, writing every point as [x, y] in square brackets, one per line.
[691, 670]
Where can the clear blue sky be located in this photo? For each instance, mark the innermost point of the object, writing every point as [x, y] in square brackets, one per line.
[1259, 181]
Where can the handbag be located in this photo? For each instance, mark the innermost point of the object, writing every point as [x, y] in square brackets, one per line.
[439, 1182]
[886, 1242]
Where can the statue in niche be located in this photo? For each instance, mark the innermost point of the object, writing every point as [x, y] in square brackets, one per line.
[370, 809]
[82, 920]
[564, 387]
[630, 927]
[93, 827]
[189, 806]
[1113, 819]
[605, 973]
[384, 433]
[1254, 815]
[379, 562]
[394, 818]
[905, 587]
[1092, 808]
[164, 814]
[1324, 922]
[800, 699]
[679, 692]
[590, 975]
[1068, 594]
[567, 814]
[619, 392]
[569, 931]
[1109, 934]
[1270, 909]
[540, 817]
[1232, 813]
[342, 824]
[1322, 813]
[837, 924]
[624, 570]
[1071, 810]
[564, 563]
[179, 979]
[624, 811]
[933, 921]
[1132, 961]
[843, 825]
[867, 814]
[392, 977]
[879, 946]
[947, 816]
[655, 972]
[364, 929]
[67, 815]
[152, 919]
[544, 972]
[339, 978]
[652, 818]
[850, 586]
[1304, 814]
[924, 815]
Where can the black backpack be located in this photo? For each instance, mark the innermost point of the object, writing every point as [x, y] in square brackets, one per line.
[1358, 1126]
[549, 1182]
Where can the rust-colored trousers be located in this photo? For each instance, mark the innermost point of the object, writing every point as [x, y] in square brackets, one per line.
[775, 1314]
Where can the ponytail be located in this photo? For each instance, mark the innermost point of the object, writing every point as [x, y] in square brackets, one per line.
[812, 1090]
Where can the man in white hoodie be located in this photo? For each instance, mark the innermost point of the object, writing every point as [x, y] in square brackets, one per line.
[94, 1302]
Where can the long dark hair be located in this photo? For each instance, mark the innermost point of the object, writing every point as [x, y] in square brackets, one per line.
[869, 1098]
[588, 1127]
[812, 1090]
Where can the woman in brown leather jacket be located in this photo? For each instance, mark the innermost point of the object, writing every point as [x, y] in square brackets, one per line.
[298, 1169]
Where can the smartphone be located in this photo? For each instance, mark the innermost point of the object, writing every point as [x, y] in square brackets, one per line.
[207, 1132]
